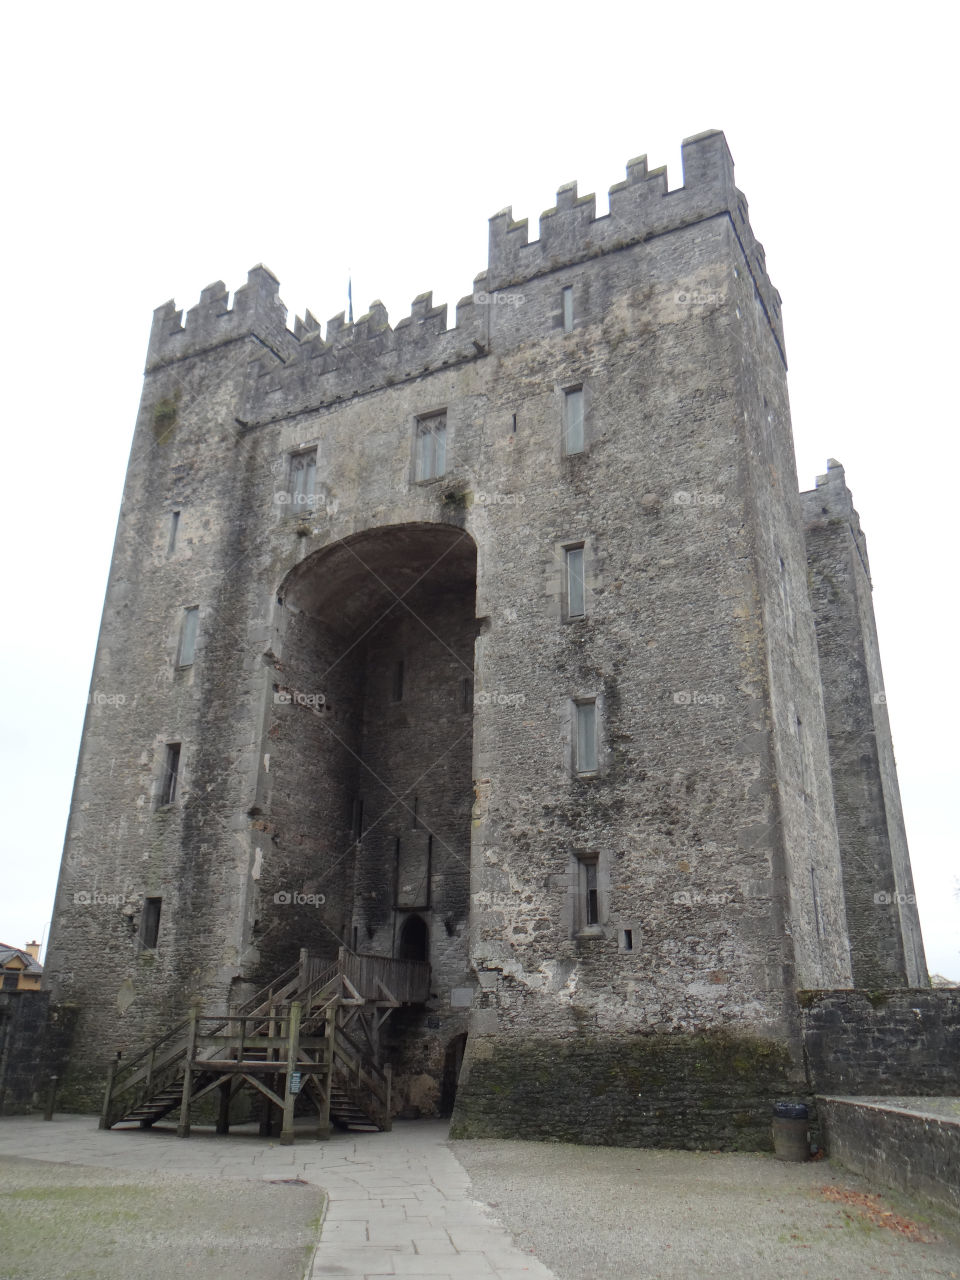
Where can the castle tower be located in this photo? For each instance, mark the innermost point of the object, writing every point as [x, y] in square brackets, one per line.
[886, 945]
[488, 645]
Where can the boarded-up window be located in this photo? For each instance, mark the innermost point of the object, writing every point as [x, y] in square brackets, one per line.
[573, 420]
[188, 637]
[573, 564]
[431, 445]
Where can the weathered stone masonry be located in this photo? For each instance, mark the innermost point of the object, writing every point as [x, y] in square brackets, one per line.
[379, 726]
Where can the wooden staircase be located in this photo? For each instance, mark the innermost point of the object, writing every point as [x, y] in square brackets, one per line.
[313, 1032]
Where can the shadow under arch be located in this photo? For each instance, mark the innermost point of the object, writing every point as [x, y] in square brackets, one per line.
[369, 734]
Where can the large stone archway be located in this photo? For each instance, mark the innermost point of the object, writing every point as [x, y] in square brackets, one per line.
[369, 740]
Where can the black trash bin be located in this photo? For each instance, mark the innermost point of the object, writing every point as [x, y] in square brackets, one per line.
[791, 1139]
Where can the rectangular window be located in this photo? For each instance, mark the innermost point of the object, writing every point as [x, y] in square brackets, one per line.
[573, 566]
[628, 940]
[573, 420]
[588, 892]
[413, 814]
[303, 479]
[567, 300]
[398, 682]
[585, 743]
[150, 922]
[171, 774]
[188, 637]
[174, 526]
[357, 818]
[431, 447]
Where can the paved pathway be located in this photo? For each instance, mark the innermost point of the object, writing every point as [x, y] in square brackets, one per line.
[399, 1203]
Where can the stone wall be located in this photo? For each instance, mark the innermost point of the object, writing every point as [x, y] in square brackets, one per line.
[706, 1091]
[917, 1152]
[35, 1038]
[883, 1042]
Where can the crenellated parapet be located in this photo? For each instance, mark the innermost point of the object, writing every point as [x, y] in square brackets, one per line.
[257, 311]
[309, 367]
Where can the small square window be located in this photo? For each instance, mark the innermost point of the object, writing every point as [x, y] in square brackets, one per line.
[188, 637]
[431, 447]
[585, 740]
[567, 303]
[171, 774]
[150, 922]
[573, 581]
[573, 420]
[303, 479]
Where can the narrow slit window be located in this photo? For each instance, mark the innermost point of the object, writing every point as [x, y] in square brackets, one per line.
[588, 892]
[514, 425]
[591, 901]
[415, 821]
[398, 681]
[573, 420]
[357, 818]
[303, 479]
[567, 304]
[466, 694]
[188, 637]
[171, 773]
[585, 715]
[150, 922]
[431, 447]
[174, 526]
[573, 562]
[628, 939]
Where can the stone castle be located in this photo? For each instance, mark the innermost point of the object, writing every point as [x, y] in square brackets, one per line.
[509, 647]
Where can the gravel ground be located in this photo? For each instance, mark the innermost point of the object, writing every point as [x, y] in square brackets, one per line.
[75, 1222]
[600, 1213]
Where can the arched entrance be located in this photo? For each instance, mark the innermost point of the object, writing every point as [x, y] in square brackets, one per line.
[368, 793]
[413, 942]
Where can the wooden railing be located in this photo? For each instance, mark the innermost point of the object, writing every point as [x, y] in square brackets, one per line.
[265, 1028]
[407, 980]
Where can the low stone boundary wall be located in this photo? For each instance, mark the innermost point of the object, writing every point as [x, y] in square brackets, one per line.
[909, 1148]
[904, 1041]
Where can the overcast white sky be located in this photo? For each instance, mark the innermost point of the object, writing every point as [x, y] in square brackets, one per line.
[153, 150]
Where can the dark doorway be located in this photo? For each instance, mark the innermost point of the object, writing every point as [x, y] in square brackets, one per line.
[452, 1062]
[414, 940]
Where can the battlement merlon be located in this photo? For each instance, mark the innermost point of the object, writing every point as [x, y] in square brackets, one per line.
[257, 312]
